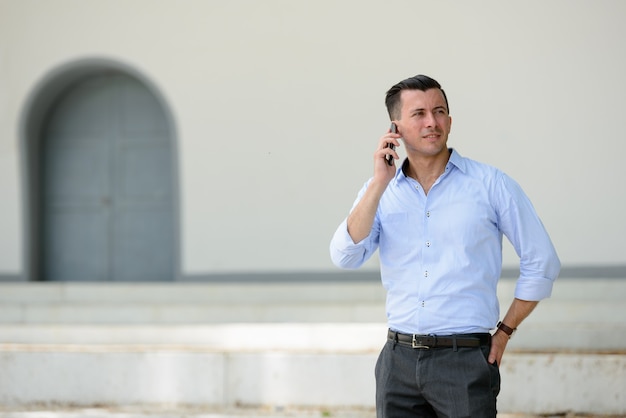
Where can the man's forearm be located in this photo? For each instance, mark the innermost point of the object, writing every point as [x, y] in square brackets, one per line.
[361, 218]
[518, 311]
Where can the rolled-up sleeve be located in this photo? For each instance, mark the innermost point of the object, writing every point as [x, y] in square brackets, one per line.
[538, 272]
[533, 288]
[539, 262]
[344, 253]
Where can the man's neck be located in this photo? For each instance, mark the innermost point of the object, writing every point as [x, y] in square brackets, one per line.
[426, 170]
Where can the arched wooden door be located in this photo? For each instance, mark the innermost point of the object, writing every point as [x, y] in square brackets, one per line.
[107, 184]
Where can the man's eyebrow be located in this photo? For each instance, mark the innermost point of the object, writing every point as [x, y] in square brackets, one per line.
[421, 109]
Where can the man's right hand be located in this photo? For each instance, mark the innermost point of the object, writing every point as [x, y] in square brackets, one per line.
[383, 172]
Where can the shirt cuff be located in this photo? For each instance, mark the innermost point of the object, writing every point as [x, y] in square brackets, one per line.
[533, 288]
[344, 252]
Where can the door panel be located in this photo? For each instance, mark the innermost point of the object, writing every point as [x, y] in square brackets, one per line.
[77, 244]
[77, 168]
[107, 186]
[134, 260]
[85, 107]
[144, 172]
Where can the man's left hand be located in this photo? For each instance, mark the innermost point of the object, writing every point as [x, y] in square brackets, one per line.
[498, 345]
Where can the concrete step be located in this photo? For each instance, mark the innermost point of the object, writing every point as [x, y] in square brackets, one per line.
[280, 345]
[88, 375]
[178, 303]
[322, 337]
[188, 313]
[578, 289]
[181, 412]
[582, 314]
[190, 412]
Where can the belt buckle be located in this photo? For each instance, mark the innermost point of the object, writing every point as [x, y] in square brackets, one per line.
[416, 344]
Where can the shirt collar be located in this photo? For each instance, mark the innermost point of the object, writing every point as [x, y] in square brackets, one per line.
[455, 160]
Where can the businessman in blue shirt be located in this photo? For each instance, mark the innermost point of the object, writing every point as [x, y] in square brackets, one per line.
[437, 222]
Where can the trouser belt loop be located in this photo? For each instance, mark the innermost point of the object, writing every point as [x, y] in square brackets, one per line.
[454, 347]
[395, 339]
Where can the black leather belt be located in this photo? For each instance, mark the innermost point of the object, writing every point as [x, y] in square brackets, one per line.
[433, 341]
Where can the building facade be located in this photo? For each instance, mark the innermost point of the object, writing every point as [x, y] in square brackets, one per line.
[168, 141]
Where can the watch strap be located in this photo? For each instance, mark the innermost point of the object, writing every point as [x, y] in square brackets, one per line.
[506, 329]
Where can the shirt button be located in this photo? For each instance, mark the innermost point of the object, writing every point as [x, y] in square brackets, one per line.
[428, 214]
[426, 273]
[428, 243]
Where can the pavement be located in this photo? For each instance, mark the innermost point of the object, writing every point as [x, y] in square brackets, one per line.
[197, 412]
[192, 412]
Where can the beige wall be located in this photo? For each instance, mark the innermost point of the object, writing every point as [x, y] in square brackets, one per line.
[278, 106]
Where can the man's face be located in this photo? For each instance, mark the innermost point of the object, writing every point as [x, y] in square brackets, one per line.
[424, 122]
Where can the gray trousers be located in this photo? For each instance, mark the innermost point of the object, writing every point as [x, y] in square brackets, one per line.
[436, 382]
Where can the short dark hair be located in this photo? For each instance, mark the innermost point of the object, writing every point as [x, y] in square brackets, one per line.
[418, 82]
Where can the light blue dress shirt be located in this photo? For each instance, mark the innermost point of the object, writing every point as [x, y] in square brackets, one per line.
[441, 253]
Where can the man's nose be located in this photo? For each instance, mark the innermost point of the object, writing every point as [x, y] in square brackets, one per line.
[429, 119]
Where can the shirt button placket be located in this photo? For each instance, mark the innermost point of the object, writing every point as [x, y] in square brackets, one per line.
[427, 242]
[423, 303]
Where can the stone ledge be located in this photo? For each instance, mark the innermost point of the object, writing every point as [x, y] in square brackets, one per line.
[536, 336]
[532, 383]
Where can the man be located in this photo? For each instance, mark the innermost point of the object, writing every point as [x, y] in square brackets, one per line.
[438, 222]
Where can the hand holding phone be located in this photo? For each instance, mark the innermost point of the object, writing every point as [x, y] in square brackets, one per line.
[389, 158]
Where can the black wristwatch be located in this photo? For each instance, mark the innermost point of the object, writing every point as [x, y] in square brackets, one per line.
[506, 329]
